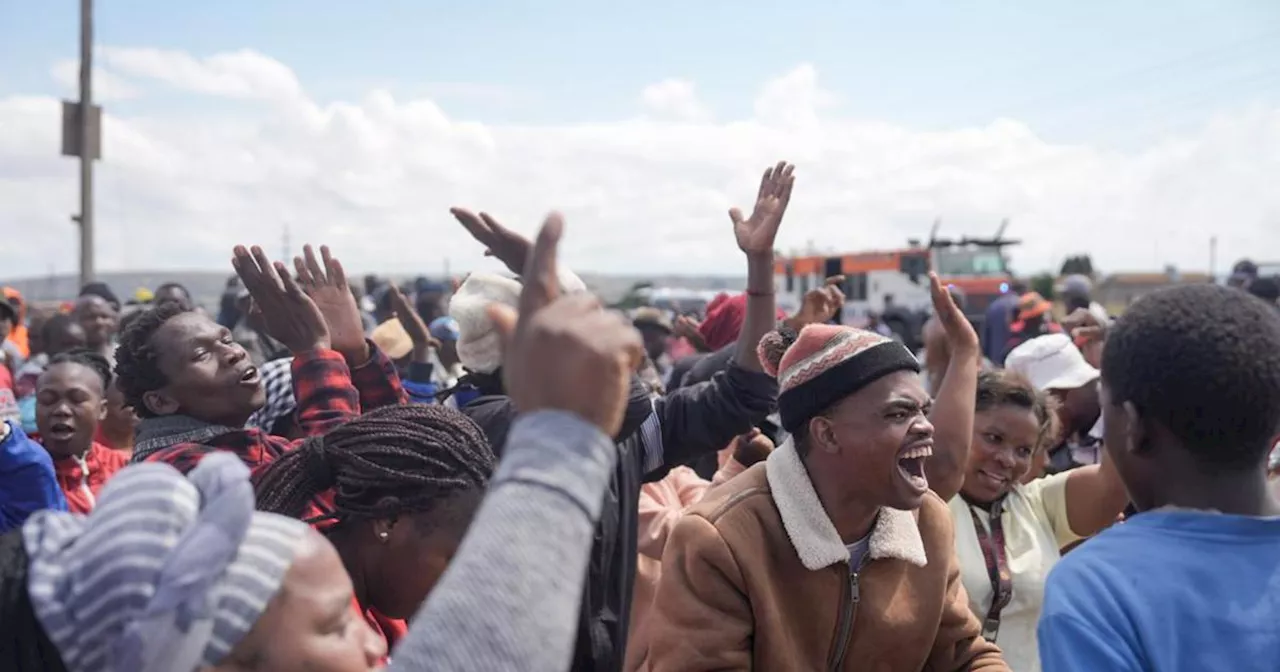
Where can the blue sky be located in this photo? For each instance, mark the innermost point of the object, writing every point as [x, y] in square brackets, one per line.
[1104, 73]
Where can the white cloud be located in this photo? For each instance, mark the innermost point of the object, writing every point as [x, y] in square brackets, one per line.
[676, 99]
[238, 74]
[106, 86]
[375, 177]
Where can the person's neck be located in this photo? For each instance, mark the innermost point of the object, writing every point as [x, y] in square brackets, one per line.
[77, 454]
[343, 540]
[1242, 494]
[853, 518]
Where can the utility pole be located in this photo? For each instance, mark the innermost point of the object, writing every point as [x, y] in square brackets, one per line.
[82, 138]
[1213, 259]
[88, 132]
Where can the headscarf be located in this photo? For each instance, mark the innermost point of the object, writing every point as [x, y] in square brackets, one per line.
[165, 575]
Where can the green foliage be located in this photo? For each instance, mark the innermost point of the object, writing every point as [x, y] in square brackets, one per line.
[1080, 264]
[1042, 284]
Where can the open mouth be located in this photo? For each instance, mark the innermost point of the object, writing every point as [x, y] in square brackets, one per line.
[911, 464]
[62, 431]
[250, 376]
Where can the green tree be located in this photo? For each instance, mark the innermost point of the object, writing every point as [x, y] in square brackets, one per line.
[1080, 264]
[1042, 284]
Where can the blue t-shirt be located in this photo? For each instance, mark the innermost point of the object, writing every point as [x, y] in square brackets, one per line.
[27, 480]
[1167, 590]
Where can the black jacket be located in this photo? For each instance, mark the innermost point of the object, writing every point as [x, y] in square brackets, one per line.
[657, 435]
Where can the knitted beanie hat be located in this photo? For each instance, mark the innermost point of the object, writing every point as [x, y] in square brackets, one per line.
[166, 574]
[479, 346]
[825, 363]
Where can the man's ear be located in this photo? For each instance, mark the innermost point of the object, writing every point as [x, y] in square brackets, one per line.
[1136, 434]
[102, 410]
[160, 403]
[822, 435]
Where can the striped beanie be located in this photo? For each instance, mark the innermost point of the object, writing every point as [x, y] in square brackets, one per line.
[825, 363]
[166, 574]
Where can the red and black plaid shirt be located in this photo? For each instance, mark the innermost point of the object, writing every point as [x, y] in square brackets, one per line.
[328, 394]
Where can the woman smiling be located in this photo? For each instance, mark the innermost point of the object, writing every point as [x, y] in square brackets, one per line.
[1008, 535]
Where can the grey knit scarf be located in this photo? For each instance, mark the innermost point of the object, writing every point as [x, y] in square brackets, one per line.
[156, 434]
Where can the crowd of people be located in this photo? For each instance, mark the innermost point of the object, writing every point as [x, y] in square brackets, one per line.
[503, 474]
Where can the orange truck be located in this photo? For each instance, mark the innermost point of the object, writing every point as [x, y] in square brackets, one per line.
[893, 285]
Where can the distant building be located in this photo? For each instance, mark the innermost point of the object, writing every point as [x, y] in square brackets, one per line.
[1121, 289]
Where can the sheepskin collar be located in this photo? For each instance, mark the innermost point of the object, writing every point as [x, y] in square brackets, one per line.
[895, 535]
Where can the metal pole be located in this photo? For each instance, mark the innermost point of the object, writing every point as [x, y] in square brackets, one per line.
[1213, 259]
[86, 143]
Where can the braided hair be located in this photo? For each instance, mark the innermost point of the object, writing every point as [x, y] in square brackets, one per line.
[88, 359]
[391, 461]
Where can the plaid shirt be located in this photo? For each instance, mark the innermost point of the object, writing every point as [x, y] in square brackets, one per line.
[328, 394]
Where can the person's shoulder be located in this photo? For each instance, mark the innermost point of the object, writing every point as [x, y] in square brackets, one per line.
[181, 456]
[739, 496]
[934, 518]
[110, 458]
[20, 450]
[1102, 565]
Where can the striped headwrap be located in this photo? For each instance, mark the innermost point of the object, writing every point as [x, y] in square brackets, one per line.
[166, 573]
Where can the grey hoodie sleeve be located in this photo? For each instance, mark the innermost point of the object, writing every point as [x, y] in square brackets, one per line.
[510, 598]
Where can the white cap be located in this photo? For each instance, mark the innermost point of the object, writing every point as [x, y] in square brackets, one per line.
[479, 346]
[1051, 362]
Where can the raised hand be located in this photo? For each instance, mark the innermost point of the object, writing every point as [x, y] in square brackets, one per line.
[413, 325]
[564, 352]
[752, 447]
[326, 283]
[288, 314]
[687, 327]
[756, 233]
[819, 304]
[500, 242]
[961, 338]
[1090, 340]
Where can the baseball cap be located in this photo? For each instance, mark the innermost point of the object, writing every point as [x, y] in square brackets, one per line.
[1051, 362]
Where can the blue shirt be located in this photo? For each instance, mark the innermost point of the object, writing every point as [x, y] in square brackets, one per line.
[1167, 590]
[27, 480]
[995, 327]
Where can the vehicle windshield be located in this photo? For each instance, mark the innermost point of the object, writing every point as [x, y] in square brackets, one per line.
[969, 261]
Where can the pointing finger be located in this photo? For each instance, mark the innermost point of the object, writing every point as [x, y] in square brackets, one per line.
[541, 282]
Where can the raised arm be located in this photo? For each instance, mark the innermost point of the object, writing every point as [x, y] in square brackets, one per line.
[372, 372]
[756, 235]
[510, 598]
[707, 416]
[321, 378]
[956, 396]
[1095, 497]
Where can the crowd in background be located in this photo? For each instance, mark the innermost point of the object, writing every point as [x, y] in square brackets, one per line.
[500, 473]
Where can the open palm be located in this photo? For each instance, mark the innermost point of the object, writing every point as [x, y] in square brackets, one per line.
[755, 234]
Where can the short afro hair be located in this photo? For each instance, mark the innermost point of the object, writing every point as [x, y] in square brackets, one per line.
[1204, 361]
[137, 361]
